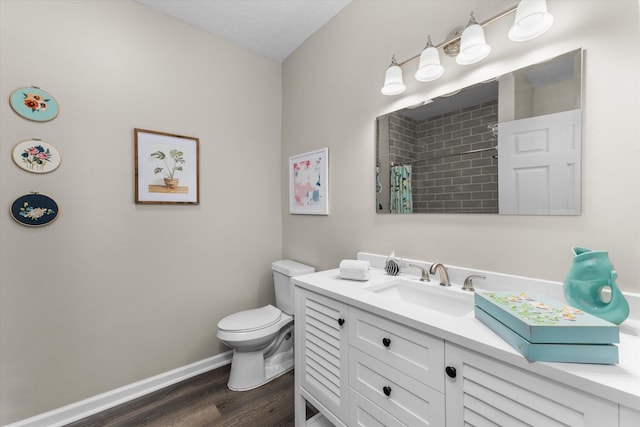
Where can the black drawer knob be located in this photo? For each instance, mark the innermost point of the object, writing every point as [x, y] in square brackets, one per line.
[386, 390]
[451, 371]
[341, 321]
[386, 342]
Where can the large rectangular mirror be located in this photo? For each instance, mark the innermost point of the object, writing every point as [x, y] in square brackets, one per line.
[511, 145]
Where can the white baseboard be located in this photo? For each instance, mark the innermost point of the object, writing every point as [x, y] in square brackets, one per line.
[84, 408]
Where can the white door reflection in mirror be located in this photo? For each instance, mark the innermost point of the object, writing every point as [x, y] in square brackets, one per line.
[539, 168]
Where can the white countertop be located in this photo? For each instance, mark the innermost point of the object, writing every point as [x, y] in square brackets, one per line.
[619, 383]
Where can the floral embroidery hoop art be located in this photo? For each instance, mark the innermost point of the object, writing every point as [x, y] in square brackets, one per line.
[34, 210]
[34, 104]
[36, 156]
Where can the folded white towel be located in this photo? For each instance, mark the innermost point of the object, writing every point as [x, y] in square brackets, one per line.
[353, 269]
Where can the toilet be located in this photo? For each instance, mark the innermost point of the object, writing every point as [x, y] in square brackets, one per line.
[262, 338]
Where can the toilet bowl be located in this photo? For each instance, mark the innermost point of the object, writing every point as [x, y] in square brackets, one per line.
[262, 338]
[258, 338]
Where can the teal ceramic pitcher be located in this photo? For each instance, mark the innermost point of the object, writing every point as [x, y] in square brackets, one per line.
[590, 272]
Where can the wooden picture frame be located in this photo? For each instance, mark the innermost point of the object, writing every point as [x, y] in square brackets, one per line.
[309, 183]
[167, 168]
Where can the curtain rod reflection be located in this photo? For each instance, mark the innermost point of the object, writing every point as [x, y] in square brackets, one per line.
[479, 150]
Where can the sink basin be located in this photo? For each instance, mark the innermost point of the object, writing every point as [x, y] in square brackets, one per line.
[428, 296]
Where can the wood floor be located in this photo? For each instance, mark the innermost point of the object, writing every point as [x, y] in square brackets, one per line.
[202, 401]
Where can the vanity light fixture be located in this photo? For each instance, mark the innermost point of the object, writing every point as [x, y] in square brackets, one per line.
[429, 67]
[393, 83]
[532, 19]
[473, 47]
[469, 46]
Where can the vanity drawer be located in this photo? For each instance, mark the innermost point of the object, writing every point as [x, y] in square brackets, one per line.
[415, 353]
[410, 401]
[364, 413]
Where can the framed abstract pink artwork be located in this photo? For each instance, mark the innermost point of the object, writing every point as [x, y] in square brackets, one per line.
[309, 183]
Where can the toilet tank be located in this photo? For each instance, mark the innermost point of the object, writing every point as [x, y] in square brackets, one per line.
[283, 271]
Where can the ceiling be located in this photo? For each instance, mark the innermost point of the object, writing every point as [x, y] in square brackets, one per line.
[272, 28]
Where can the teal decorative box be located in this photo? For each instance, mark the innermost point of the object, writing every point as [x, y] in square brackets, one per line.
[576, 353]
[543, 320]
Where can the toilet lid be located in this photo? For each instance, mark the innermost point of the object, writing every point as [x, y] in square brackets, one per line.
[250, 320]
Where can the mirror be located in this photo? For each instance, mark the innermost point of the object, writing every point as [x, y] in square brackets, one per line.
[511, 145]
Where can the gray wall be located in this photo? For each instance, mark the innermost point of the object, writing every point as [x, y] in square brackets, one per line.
[113, 292]
[332, 97]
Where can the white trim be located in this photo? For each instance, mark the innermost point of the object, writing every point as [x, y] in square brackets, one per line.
[84, 408]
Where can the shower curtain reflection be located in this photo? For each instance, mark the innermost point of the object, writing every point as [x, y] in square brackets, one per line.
[401, 196]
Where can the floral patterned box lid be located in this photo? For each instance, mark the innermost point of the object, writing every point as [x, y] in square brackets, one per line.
[539, 319]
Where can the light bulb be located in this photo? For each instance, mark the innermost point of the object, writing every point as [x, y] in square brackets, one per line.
[393, 84]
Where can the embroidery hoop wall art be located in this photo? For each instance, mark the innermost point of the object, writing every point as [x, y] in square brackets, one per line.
[34, 104]
[309, 183]
[36, 156]
[34, 210]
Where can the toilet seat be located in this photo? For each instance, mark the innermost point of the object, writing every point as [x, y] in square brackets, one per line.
[252, 325]
[251, 320]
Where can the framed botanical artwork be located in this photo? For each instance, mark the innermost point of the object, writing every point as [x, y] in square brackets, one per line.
[34, 104]
[166, 168]
[36, 156]
[309, 183]
[34, 210]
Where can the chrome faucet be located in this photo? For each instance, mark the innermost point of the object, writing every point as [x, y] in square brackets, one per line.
[442, 273]
[468, 282]
[425, 272]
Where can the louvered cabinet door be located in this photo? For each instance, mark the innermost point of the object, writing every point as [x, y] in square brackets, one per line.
[322, 352]
[482, 391]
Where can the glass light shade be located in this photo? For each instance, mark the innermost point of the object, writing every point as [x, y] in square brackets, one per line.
[393, 84]
[473, 47]
[429, 67]
[532, 20]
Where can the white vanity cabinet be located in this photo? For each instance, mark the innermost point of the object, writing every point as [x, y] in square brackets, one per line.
[485, 392]
[395, 373]
[362, 362]
[361, 369]
[321, 356]
[629, 417]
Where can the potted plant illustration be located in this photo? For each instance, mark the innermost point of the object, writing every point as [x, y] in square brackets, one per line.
[170, 181]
